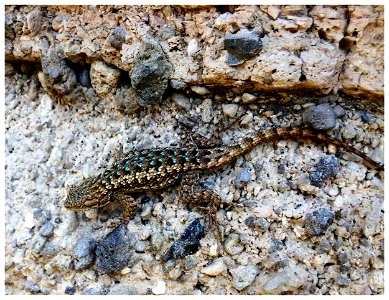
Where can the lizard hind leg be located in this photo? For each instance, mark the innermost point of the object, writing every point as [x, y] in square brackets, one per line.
[193, 193]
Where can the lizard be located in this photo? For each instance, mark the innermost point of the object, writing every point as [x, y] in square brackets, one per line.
[157, 168]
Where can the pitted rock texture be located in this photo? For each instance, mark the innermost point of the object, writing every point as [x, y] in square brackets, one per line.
[323, 49]
[276, 232]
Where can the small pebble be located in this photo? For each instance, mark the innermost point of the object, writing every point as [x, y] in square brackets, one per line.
[348, 132]
[190, 263]
[230, 110]
[47, 230]
[200, 90]
[317, 222]
[250, 222]
[189, 242]
[320, 117]
[248, 98]
[327, 167]
[232, 244]
[242, 178]
[115, 250]
[70, 290]
[178, 84]
[243, 276]
[32, 286]
[247, 119]
[215, 268]
[83, 253]
[181, 101]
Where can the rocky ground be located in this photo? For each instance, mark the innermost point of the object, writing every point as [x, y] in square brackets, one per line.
[298, 217]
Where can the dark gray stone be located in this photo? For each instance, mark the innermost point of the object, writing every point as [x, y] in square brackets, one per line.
[70, 290]
[317, 222]
[117, 37]
[233, 60]
[58, 79]
[83, 253]
[114, 252]
[244, 44]
[84, 77]
[367, 117]
[47, 230]
[320, 117]
[250, 222]
[189, 242]
[327, 167]
[151, 73]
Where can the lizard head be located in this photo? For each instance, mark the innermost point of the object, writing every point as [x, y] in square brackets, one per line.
[88, 194]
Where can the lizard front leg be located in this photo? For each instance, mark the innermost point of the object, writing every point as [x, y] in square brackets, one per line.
[127, 203]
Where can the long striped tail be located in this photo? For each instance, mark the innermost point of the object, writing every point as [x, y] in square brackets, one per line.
[218, 157]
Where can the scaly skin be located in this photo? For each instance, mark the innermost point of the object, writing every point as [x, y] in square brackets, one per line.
[158, 168]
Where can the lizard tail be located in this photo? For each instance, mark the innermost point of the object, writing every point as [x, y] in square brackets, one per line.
[300, 134]
[211, 159]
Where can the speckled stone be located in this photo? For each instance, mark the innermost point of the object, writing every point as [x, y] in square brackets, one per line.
[318, 221]
[289, 279]
[104, 78]
[327, 167]
[115, 250]
[320, 117]
[151, 73]
[117, 37]
[243, 276]
[244, 44]
[230, 110]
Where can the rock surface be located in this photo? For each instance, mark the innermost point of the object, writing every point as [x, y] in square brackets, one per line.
[275, 232]
[332, 42]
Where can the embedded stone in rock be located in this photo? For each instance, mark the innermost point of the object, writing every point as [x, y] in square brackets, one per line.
[57, 78]
[243, 276]
[181, 101]
[104, 78]
[114, 252]
[318, 221]
[189, 242]
[83, 253]
[328, 166]
[178, 84]
[151, 73]
[126, 100]
[84, 78]
[321, 117]
[34, 21]
[232, 60]
[243, 45]
[117, 37]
